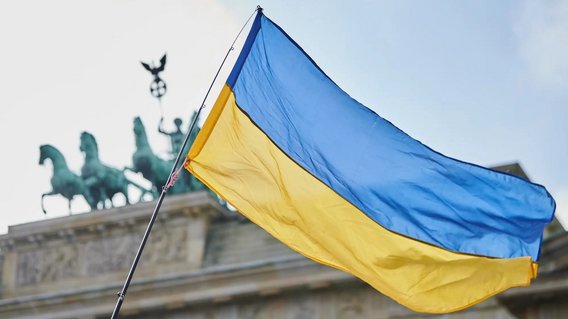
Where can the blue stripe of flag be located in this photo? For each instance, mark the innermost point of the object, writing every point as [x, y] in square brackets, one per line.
[394, 179]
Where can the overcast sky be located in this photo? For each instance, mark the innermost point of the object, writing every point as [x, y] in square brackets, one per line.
[482, 81]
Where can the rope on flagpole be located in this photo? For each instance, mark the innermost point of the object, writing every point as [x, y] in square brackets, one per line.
[171, 180]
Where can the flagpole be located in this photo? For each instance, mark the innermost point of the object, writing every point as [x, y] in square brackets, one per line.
[171, 180]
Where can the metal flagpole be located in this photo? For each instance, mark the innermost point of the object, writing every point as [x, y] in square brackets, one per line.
[170, 181]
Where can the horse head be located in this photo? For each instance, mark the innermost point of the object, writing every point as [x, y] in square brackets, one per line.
[138, 126]
[89, 144]
[140, 134]
[47, 151]
[43, 154]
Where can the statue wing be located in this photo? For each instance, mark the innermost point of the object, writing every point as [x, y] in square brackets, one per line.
[162, 63]
[146, 66]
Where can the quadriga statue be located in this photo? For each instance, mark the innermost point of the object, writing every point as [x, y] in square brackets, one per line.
[99, 183]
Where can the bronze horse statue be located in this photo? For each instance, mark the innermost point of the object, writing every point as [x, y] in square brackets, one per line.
[102, 181]
[99, 183]
[63, 182]
[152, 167]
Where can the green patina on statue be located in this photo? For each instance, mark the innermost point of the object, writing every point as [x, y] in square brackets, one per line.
[177, 136]
[102, 181]
[156, 169]
[99, 183]
[144, 161]
[63, 182]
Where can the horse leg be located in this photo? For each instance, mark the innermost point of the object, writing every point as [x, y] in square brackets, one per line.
[46, 194]
[124, 192]
[104, 197]
[89, 198]
[111, 202]
[155, 192]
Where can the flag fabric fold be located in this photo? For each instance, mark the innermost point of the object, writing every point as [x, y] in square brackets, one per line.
[339, 184]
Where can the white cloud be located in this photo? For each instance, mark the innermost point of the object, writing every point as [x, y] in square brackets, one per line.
[542, 30]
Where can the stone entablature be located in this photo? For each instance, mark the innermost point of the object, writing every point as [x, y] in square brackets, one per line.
[78, 250]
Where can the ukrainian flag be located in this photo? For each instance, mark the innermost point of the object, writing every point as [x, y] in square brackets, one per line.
[339, 184]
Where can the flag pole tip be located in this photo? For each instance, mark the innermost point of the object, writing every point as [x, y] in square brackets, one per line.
[259, 8]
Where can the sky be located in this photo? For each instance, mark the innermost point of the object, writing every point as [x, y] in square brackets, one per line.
[482, 81]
